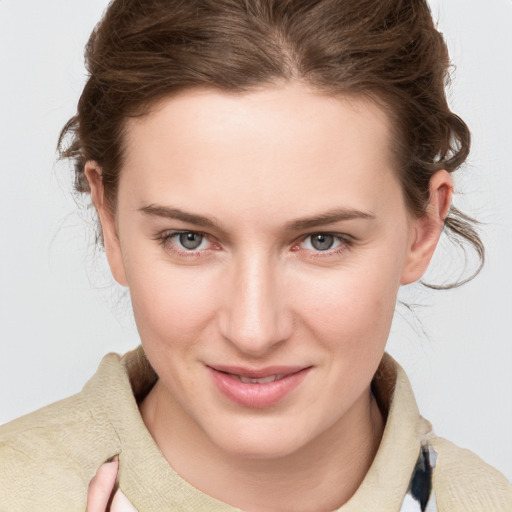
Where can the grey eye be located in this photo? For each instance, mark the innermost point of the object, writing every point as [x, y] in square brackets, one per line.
[322, 242]
[191, 240]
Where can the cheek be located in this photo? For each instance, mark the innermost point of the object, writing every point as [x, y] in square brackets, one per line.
[351, 308]
[170, 304]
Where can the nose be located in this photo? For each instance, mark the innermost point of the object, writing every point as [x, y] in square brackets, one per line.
[256, 317]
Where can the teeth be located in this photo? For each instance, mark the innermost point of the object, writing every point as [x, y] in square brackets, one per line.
[263, 380]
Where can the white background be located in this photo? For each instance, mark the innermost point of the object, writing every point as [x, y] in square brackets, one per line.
[59, 312]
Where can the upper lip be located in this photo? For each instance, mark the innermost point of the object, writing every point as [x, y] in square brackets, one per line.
[258, 373]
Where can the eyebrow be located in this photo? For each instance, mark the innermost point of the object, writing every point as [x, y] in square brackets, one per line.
[329, 217]
[177, 214]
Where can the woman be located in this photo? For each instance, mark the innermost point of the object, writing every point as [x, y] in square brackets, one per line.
[266, 175]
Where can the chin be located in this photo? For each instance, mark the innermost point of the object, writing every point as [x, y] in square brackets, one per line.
[260, 441]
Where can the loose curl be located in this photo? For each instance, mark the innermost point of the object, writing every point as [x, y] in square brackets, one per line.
[386, 50]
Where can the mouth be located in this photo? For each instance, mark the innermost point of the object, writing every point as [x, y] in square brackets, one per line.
[262, 380]
[257, 388]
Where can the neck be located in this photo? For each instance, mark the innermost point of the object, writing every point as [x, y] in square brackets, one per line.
[322, 475]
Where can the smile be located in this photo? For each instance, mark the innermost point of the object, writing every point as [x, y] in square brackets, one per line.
[263, 380]
[257, 388]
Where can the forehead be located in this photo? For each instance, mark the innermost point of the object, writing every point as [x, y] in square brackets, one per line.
[264, 148]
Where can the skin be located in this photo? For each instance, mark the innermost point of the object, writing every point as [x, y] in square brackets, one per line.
[257, 292]
[100, 490]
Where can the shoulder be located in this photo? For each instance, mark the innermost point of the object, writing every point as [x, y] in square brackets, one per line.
[48, 457]
[464, 482]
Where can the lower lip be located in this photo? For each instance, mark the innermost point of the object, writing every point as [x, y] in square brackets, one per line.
[257, 396]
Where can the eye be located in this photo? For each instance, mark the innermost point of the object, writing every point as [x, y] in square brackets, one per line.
[184, 242]
[321, 242]
[328, 243]
[190, 240]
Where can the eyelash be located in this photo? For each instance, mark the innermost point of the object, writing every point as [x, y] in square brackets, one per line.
[345, 243]
[165, 240]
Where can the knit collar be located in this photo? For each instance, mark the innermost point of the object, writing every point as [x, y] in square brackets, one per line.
[151, 484]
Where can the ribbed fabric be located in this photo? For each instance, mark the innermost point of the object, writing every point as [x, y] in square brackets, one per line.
[48, 457]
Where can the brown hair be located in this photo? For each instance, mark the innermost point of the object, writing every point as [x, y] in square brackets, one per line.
[387, 50]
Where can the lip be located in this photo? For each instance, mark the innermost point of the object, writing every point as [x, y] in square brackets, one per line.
[257, 395]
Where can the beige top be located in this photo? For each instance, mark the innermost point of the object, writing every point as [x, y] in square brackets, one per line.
[48, 457]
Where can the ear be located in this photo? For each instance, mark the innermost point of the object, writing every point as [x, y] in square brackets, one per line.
[93, 173]
[426, 230]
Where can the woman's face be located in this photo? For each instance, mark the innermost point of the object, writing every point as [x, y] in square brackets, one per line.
[263, 236]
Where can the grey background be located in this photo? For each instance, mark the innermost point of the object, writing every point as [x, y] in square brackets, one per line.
[60, 312]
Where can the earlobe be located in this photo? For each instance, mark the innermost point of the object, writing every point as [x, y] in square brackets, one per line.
[426, 230]
[93, 173]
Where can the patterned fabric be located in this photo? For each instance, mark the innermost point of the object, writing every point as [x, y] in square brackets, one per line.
[421, 497]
